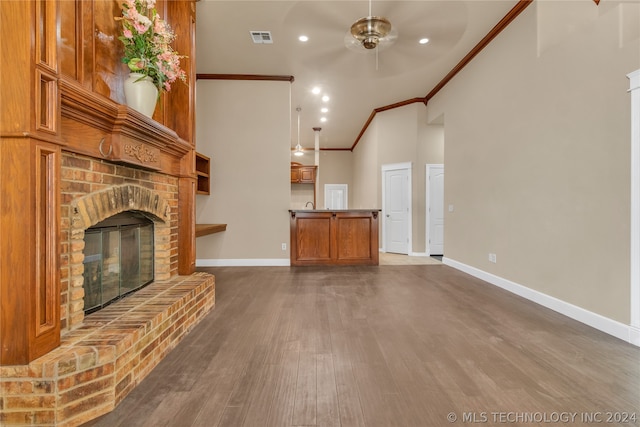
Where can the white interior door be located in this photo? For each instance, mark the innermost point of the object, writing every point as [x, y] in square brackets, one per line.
[336, 196]
[435, 209]
[396, 210]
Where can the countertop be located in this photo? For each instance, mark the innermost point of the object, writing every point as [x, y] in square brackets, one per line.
[335, 210]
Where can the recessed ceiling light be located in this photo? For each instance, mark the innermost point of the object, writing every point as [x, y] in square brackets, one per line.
[423, 41]
[326, 98]
[303, 38]
[324, 110]
[316, 90]
[323, 119]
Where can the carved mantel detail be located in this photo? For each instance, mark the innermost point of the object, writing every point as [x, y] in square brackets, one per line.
[141, 152]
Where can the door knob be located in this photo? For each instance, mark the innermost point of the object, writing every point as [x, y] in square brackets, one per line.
[388, 215]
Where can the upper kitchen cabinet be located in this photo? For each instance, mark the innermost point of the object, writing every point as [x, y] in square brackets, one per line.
[303, 174]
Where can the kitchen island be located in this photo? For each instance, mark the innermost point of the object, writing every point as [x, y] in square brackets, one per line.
[334, 237]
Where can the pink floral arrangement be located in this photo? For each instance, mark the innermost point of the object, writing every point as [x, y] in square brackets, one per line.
[147, 44]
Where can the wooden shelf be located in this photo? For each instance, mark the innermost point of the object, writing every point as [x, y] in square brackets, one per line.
[203, 165]
[206, 229]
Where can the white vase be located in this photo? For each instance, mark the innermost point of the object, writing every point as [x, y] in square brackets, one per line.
[140, 93]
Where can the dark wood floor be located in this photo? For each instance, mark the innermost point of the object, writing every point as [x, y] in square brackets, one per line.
[382, 346]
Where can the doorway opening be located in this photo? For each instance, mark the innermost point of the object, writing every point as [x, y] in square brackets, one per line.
[434, 210]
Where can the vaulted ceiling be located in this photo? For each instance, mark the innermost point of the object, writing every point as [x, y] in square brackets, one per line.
[358, 81]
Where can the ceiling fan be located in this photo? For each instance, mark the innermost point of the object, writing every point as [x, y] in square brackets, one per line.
[387, 34]
[371, 32]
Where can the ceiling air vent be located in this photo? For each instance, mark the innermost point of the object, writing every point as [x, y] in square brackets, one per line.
[261, 37]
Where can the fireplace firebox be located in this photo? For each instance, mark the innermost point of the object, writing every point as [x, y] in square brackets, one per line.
[118, 258]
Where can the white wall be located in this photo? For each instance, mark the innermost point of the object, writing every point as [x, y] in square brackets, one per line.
[537, 155]
[244, 127]
[366, 172]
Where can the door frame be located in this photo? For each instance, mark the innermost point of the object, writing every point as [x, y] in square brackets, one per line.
[389, 167]
[634, 90]
[427, 204]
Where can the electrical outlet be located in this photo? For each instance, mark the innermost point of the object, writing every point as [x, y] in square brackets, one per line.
[284, 246]
[492, 258]
[450, 208]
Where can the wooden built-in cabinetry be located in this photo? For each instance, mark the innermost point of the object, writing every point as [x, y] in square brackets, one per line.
[62, 90]
[203, 166]
[303, 174]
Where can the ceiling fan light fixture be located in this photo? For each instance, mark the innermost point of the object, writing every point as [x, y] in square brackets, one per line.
[369, 30]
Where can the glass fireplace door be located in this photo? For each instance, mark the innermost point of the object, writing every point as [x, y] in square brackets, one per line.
[118, 259]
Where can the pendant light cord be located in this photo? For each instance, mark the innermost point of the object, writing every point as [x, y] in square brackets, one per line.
[298, 110]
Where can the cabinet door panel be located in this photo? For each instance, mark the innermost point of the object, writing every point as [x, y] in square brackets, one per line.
[109, 72]
[307, 175]
[353, 237]
[314, 239]
[295, 175]
[69, 13]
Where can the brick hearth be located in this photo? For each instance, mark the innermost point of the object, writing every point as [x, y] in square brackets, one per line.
[101, 361]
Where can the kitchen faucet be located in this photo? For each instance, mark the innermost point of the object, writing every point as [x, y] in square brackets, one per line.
[312, 205]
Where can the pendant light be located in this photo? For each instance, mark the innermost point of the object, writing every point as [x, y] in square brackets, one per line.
[298, 152]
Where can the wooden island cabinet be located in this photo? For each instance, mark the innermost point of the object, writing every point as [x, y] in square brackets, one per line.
[334, 237]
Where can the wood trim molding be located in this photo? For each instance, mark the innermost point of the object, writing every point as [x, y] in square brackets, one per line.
[381, 109]
[497, 29]
[289, 79]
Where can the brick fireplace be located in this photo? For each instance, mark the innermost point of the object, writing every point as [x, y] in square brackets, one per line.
[71, 154]
[104, 355]
[94, 190]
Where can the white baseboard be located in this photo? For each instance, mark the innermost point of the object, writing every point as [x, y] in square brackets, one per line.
[619, 330]
[634, 336]
[418, 254]
[249, 262]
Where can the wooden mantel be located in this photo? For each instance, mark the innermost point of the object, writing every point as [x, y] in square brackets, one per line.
[99, 127]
